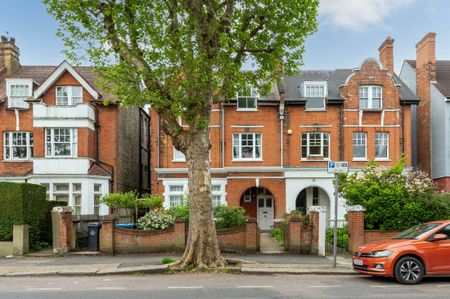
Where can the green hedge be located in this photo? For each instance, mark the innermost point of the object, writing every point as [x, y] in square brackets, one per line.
[23, 203]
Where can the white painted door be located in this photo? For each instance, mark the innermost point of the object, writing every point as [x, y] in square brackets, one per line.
[265, 212]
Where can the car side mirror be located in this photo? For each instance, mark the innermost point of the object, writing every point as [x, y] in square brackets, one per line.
[440, 237]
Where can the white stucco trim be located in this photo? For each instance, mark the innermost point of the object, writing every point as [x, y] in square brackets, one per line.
[64, 66]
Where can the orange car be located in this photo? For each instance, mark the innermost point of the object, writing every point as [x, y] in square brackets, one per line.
[421, 250]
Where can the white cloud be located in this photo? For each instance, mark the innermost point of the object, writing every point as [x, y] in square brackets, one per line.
[359, 14]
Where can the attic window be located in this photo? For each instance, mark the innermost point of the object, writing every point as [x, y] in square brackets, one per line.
[69, 95]
[18, 93]
[315, 93]
[248, 101]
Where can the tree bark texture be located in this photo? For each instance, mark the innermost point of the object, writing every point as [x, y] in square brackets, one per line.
[202, 248]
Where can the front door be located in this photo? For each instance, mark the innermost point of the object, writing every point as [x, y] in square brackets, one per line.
[265, 212]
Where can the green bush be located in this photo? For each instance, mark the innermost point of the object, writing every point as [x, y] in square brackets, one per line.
[150, 201]
[342, 236]
[229, 217]
[156, 220]
[168, 260]
[179, 212]
[278, 234]
[23, 203]
[394, 199]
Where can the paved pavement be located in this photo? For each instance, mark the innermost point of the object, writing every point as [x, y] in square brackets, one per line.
[109, 265]
[218, 286]
[269, 245]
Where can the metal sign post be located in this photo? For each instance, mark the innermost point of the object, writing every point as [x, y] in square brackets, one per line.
[336, 168]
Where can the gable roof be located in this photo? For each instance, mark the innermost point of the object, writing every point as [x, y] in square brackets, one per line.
[442, 75]
[334, 78]
[57, 73]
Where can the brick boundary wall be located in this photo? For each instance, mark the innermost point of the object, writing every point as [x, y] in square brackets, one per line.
[114, 240]
[357, 235]
[300, 238]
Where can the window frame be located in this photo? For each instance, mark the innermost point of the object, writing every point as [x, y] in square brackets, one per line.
[370, 97]
[310, 84]
[253, 94]
[239, 145]
[176, 158]
[70, 97]
[73, 133]
[308, 146]
[29, 139]
[365, 146]
[387, 147]
[14, 82]
[97, 195]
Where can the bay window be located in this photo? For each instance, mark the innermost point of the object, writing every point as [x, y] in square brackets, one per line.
[61, 142]
[17, 145]
[247, 146]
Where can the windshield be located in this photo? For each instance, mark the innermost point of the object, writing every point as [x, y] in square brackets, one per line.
[418, 231]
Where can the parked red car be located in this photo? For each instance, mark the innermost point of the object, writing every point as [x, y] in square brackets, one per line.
[421, 250]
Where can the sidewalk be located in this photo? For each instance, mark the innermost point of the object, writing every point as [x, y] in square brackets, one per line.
[76, 265]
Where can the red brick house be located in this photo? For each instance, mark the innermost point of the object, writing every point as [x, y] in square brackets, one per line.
[429, 78]
[56, 131]
[269, 153]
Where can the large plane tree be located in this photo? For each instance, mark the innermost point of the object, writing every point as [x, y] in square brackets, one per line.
[182, 57]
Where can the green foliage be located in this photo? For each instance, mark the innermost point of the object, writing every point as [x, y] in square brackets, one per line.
[131, 200]
[278, 234]
[394, 199]
[229, 217]
[23, 203]
[179, 212]
[168, 260]
[342, 236]
[156, 220]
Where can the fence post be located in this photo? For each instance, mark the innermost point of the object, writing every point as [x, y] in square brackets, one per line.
[107, 235]
[293, 239]
[356, 236]
[20, 239]
[251, 235]
[318, 222]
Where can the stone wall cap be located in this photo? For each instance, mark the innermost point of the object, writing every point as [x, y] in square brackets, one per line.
[317, 209]
[62, 209]
[357, 208]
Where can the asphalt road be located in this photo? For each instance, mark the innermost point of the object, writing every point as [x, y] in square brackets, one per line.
[220, 286]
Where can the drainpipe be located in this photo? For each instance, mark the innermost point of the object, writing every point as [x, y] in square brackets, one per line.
[222, 128]
[140, 150]
[159, 141]
[402, 143]
[341, 133]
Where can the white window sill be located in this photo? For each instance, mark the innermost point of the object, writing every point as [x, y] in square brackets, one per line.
[18, 161]
[382, 160]
[247, 160]
[61, 157]
[313, 160]
[247, 110]
[316, 110]
[360, 160]
[371, 109]
[178, 161]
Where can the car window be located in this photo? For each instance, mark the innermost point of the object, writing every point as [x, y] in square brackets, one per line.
[445, 230]
[418, 231]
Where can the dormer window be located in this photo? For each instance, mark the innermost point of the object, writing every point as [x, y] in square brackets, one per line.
[315, 94]
[18, 92]
[69, 95]
[370, 97]
[248, 101]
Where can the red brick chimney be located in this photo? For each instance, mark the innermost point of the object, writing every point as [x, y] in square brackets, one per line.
[9, 55]
[425, 73]
[386, 51]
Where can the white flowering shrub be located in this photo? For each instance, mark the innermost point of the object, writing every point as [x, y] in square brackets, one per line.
[394, 198]
[156, 220]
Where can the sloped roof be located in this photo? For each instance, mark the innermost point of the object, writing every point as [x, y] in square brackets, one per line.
[442, 75]
[334, 78]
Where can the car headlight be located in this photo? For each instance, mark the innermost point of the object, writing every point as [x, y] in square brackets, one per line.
[381, 253]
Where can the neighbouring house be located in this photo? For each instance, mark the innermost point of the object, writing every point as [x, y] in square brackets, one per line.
[269, 153]
[56, 131]
[430, 80]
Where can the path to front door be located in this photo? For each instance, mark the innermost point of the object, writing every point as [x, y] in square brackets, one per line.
[269, 245]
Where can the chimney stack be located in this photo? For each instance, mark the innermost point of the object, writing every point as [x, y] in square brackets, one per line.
[426, 56]
[386, 51]
[9, 55]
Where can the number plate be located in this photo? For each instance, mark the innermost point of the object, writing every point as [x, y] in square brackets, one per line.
[358, 262]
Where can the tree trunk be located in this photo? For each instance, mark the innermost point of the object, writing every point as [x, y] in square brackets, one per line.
[202, 248]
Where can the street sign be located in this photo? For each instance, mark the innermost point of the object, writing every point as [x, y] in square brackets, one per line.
[337, 167]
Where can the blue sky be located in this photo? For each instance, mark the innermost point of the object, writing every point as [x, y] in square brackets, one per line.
[349, 31]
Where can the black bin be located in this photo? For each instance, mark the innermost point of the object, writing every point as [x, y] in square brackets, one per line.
[94, 235]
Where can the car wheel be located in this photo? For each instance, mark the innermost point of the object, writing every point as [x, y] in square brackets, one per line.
[409, 270]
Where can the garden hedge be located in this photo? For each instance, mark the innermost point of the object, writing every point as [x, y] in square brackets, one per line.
[23, 203]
